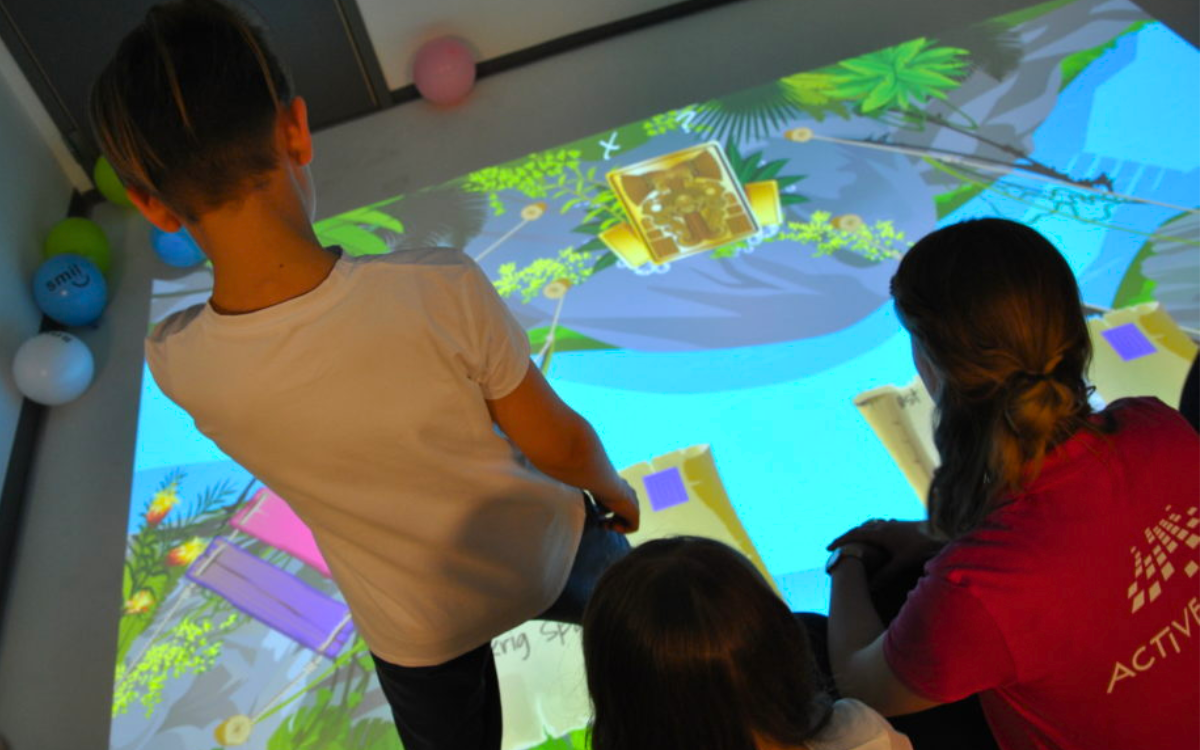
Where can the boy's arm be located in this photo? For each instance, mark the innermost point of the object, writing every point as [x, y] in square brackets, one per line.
[563, 445]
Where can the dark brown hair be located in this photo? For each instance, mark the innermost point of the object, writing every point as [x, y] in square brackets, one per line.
[687, 646]
[995, 310]
[186, 109]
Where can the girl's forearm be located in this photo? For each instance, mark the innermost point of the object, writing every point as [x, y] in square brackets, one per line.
[853, 623]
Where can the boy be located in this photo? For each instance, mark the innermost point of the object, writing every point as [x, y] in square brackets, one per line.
[366, 392]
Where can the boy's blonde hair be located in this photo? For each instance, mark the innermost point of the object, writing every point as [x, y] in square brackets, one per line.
[186, 109]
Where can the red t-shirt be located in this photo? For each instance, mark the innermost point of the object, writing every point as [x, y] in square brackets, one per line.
[1074, 610]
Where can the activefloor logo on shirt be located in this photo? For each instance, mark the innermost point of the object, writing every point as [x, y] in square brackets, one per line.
[1172, 537]
[1170, 551]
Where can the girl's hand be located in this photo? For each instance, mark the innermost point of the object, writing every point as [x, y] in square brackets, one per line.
[903, 542]
[873, 557]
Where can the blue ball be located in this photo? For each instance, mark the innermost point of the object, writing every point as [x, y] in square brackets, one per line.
[70, 289]
[176, 248]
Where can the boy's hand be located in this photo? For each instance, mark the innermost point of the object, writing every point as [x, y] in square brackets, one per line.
[625, 508]
[562, 444]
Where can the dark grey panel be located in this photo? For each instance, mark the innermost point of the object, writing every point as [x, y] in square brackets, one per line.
[313, 38]
[61, 45]
[1182, 16]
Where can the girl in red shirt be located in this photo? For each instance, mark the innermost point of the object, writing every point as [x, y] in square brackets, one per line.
[1063, 591]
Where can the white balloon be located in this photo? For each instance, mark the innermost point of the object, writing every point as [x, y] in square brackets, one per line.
[53, 368]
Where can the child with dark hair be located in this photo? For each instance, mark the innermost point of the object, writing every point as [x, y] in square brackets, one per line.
[390, 400]
[687, 647]
[1062, 586]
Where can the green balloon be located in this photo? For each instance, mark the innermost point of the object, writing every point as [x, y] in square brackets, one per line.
[81, 237]
[109, 184]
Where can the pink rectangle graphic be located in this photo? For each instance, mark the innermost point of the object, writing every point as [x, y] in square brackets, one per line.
[268, 518]
[273, 596]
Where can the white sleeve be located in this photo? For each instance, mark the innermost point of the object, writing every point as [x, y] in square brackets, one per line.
[155, 345]
[501, 346]
[898, 741]
[856, 726]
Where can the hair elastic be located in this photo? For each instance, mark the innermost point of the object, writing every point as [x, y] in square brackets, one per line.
[1047, 372]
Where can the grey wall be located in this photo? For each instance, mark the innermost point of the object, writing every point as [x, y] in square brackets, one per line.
[57, 649]
[67, 575]
[33, 196]
[58, 641]
[397, 30]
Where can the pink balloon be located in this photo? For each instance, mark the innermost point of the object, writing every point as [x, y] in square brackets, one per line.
[444, 70]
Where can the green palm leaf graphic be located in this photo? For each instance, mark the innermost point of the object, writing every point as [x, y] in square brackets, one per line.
[900, 77]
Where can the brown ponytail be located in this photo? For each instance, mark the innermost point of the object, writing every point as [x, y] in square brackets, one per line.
[995, 310]
[186, 109]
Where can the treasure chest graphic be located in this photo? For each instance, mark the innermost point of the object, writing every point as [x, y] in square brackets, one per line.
[684, 203]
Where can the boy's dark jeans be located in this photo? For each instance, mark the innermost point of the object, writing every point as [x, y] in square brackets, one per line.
[456, 705]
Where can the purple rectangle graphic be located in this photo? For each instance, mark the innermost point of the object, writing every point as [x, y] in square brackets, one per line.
[665, 488]
[1128, 341]
[273, 596]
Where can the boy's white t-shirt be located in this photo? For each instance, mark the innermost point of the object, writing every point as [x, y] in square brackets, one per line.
[362, 403]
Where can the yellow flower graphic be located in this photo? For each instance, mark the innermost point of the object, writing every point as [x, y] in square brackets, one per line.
[161, 504]
[140, 602]
[186, 553]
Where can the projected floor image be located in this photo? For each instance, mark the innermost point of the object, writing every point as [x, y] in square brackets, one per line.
[710, 288]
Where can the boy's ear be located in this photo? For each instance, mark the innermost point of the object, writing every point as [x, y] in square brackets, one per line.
[155, 211]
[297, 136]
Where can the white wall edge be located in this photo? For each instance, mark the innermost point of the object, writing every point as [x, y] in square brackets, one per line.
[11, 73]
